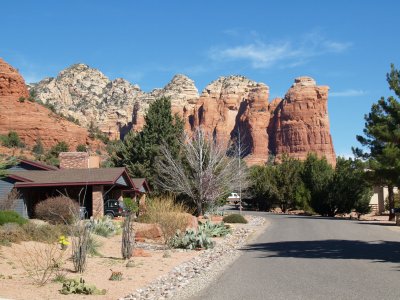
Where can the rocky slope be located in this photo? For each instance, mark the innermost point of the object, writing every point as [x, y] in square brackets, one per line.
[31, 120]
[227, 107]
[115, 107]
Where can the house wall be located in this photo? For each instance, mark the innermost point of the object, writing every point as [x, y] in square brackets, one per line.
[377, 201]
[7, 184]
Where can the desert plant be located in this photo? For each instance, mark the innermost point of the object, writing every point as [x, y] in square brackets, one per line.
[104, 227]
[10, 216]
[40, 261]
[115, 276]
[234, 218]
[81, 148]
[128, 235]
[21, 99]
[57, 210]
[93, 246]
[12, 140]
[11, 233]
[169, 214]
[80, 244]
[191, 240]
[45, 233]
[214, 230]
[74, 286]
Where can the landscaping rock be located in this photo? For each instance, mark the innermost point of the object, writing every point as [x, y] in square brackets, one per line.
[137, 252]
[190, 277]
[149, 231]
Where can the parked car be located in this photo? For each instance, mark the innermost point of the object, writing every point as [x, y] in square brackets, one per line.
[113, 208]
[234, 198]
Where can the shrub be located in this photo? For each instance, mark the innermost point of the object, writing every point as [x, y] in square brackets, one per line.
[214, 230]
[170, 215]
[73, 286]
[38, 147]
[191, 240]
[46, 233]
[234, 218]
[40, 261]
[57, 210]
[12, 140]
[11, 233]
[104, 227]
[21, 99]
[10, 216]
[93, 246]
[81, 148]
[115, 276]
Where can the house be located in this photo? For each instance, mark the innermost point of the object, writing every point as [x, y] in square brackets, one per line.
[7, 183]
[377, 202]
[79, 178]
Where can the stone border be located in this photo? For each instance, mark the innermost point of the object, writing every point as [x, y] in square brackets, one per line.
[191, 277]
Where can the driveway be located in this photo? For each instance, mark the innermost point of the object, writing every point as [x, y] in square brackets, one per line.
[314, 258]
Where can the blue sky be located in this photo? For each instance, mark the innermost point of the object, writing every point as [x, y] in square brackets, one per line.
[347, 45]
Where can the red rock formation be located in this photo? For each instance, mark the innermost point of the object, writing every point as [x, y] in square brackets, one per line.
[11, 82]
[232, 104]
[300, 122]
[31, 120]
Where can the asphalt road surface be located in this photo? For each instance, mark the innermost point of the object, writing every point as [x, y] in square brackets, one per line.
[314, 258]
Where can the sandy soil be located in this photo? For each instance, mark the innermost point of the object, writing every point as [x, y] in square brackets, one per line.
[16, 284]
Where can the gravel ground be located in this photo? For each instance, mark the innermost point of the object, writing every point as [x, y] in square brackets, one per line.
[191, 277]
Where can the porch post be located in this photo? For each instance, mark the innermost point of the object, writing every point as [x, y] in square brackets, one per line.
[97, 201]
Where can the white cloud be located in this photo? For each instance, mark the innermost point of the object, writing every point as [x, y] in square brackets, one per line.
[288, 53]
[348, 93]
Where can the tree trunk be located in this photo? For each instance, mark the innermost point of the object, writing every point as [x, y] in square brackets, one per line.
[391, 203]
[199, 209]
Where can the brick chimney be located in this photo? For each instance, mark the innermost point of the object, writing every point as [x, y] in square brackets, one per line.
[78, 160]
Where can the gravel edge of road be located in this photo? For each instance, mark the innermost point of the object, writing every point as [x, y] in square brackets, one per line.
[190, 278]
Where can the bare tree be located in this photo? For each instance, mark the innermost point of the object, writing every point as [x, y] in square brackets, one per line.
[203, 172]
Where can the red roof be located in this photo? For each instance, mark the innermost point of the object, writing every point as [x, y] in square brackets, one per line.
[68, 177]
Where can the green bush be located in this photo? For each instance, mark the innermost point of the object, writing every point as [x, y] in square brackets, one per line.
[12, 140]
[191, 240]
[234, 218]
[10, 216]
[104, 227]
[57, 210]
[214, 230]
[73, 286]
[93, 246]
[81, 148]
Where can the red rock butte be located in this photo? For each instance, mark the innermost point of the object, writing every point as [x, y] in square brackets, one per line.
[296, 125]
[31, 120]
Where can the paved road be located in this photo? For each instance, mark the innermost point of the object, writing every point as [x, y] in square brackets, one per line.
[314, 258]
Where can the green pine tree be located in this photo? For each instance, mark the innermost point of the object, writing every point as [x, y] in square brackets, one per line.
[382, 138]
[140, 150]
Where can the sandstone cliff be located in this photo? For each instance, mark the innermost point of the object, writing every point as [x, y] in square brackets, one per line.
[233, 105]
[115, 107]
[300, 122]
[227, 107]
[31, 120]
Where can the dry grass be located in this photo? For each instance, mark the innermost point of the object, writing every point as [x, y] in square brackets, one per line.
[169, 214]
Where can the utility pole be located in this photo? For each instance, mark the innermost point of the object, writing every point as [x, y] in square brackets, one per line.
[240, 170]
